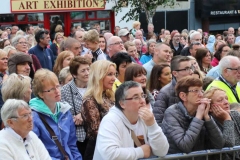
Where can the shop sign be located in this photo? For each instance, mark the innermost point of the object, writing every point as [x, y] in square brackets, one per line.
[55, 5]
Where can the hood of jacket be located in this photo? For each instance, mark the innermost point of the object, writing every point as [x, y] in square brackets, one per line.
[38, 105]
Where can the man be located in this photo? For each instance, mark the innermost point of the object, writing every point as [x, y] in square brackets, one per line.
[139, 35]
[44, 54]
[162, 54]
[78, 35]
[229, 67]
[175, 43]
[230, 40]
[181, 67]
[231, 30]
[191, 50]
[187, 124]
[165, 33]
[124, 35]
[17, 139]
[116, 30]
[73, 45]
[129, 116]
[138, 45]
[13, 31]
[107, 35]
[114, 45]
[97, 27]
[30, 30]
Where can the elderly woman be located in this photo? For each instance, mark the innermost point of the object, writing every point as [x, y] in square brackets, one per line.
[64, 76]
[21, 45]
[148, 56]
[17, 139]
[63, 60]
[3, 64]
[49, 112]
[97, 100]
[56, 44]
[132, 51]
[73, 93]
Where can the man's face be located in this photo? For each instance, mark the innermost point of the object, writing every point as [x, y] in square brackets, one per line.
[116, 45]
[131, 107]
[176, 38]
[197, 38]
[185, 69]
[31, 30]
[150, 28]
[45, 41]
[14, 29]
[76, 49]
[232, 75]
[231, 39]
[163, 53]
[125, 38]
[79, 36]
[116, 30]
[194, 49]
[138, 44]
[231, 31]
[139, 35]
[91, 45]
[23, 68]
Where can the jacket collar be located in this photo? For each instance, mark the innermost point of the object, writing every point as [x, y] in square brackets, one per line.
[184, 111]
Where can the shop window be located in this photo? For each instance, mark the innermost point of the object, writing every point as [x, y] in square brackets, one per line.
[6, 18]
[103, 14]
[104, 25]
[78, 15]
[35, 17]
[21, 17]
[91, 14]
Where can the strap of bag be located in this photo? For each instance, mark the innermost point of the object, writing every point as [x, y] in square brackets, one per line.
[54, 137]
[135, 139]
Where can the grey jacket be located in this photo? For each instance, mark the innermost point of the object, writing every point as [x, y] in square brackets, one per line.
[165, 99]
[186, 133]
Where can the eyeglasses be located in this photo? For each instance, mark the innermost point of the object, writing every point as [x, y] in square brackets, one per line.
[235, 69]
[25, 116]
[187, 69]
[137, 98]
[53, 89]
[196, 91]
[117, 43]
[22, 43]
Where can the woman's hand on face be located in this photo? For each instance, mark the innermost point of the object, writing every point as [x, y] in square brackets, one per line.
[78, 119]
[219, 113]
[203, 109]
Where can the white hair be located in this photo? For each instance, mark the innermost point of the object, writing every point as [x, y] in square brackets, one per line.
[225, 62]
[194, 34]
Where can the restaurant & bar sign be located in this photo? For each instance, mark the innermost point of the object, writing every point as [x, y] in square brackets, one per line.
[55, 5]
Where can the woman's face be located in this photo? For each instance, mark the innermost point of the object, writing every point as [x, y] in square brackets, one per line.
[59, 39]
[207, 59]
[51, 92]
[166, 76]
[218, 44]
[67, 60]
[82, 73]
[4, 35]
[132, 51]
[122, 68]
[22, 45]
[183, 41]
[220, 99]
[225, 51]
[151, 47]
[3, 63]
[7, 43]
[109, 79]
[102, 43]
[195, 64]
[67, 79]
[219, 38]
[141, 78]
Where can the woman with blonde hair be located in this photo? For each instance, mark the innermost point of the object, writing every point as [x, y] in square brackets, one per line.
[55, 46]
[10, 50]
[62, 61]
[97, 100]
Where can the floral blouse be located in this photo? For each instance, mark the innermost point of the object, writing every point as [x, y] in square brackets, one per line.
[92, 114]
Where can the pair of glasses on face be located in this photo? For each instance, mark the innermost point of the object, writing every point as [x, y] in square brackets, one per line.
[187, 69]
[117, 43]
[197, 91]
[235, 69]
[137, 98]
[25, 116]
[53, 89]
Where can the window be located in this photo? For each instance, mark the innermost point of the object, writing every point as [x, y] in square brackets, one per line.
[35, 17]
[21, 17]
[103, 14]
[6, 18]
[78, 15]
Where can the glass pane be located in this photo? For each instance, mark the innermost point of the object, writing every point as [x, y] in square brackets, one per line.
[77, 15]
[21, 17]
[56, 24]
[91, 14]
[103, 14]
[6, 18]
[104, 25]
[35, 17]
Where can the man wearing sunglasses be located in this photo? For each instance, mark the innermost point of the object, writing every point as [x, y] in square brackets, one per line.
[229, 67]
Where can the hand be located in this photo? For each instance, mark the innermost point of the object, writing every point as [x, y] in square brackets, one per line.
[206, 115]
[146, 150]
[219, 113]
[78, 119]
[146, 115]
[202, 107]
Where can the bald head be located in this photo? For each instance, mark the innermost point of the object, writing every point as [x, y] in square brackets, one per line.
[107, 35]
[139, 34]
[114, 44]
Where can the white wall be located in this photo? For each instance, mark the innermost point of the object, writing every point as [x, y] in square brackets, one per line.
[5, 7]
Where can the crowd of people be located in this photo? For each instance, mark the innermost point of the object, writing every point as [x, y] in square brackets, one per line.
[128, 95]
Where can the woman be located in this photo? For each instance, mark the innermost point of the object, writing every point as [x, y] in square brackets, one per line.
[21, 45]
[56, 44]
[220, 53]
[4, 35]
[3, 64]
[160, 76]
[132, 51]
[148, 56]
[63, 60]
[204, 57]
[64, 76]
[102, 44]
[73, 93]
[137, 73]
[97, 100]
[4, 43]
[228, 121]
[46, 107]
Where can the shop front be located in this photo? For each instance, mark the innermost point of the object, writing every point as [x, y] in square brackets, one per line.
[46, 13]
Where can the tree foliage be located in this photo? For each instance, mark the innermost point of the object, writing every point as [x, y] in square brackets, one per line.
[139, 6]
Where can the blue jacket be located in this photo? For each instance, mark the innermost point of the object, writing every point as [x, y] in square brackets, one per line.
[64, 130]
[44, 55]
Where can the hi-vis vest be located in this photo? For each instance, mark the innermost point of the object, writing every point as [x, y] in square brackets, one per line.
[223, 86]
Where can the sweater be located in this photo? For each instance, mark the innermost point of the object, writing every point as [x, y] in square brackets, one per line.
[12, 146]
[114, 141]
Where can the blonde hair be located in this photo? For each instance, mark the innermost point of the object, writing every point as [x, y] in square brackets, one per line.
[98, 70]
[209, 93]
[15, 86]
[2, 53]
[7, 49]
[57, 34]
[43, 77]
[58, 28]
[128, 44]
[59, 61]
[91, 36]
[20, 32]
[136, 23]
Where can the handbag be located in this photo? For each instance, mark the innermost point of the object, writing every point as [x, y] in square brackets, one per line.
[54, 137]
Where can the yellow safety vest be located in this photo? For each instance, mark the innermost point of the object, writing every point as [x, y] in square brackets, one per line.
[223, 86]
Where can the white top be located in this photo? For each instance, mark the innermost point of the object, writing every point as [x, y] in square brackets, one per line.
[13, 147]
[82, 91]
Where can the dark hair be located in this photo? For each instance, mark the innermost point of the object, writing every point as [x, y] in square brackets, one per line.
[218, 52]
[28, 27]
[2, 43]
[185, 83]
[105, 50]
[200, 54]
[194, 43]
[120, 93]
[235, 53]
[217, 35]
[177, 60]
[133, 70]
[76, 62]
[120, 58]
[156, 72]
[40, 35]
[206, 82]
